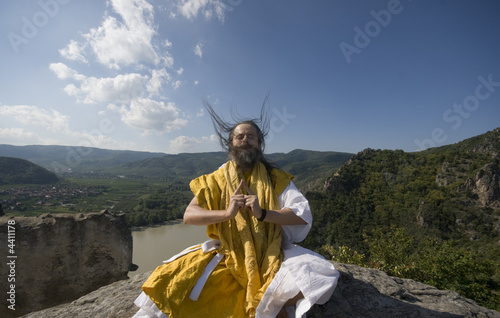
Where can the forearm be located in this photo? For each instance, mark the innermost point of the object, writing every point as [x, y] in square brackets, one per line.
[197, 215]
[283, 217]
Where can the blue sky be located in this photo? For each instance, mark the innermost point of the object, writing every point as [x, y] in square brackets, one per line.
[341, 75]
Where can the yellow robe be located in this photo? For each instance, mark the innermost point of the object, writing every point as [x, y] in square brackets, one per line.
[251, 249]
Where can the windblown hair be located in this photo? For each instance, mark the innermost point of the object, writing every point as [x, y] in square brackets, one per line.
[225, 130]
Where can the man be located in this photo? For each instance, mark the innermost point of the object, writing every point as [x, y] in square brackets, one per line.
[250, 268]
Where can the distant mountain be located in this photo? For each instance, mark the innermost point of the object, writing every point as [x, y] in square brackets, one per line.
[20, 171]
[76, 159]
[184, 165]
[310, 168]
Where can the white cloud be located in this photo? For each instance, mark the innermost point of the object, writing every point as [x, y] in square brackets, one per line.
[192, 144]
[121, 42]
[184, 144]
[155, 83]
[212, 138]
[207, 8]
[152, 116]
[121, 88]
[198, 49]
[21, 137]
[176, 84]
[55, 129]
[8, 134]
[167, 43]
[62, 71]
[200, 113]
[74, 51]
[71, 90]
[34, 116]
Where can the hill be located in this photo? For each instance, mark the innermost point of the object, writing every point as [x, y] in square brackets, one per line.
[75, 159]
[310, 168]
[20, 171]
[427, 191]
[418, 214]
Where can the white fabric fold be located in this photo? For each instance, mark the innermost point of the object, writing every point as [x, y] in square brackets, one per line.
[147, 307]
[184, 252]
[303, 271]
[198, 287]
[292, 199]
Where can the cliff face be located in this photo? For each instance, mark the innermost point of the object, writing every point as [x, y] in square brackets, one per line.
[485, 186]
[361, 293]
[58, 258]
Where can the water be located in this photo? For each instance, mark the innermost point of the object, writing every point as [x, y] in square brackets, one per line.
[153, 245]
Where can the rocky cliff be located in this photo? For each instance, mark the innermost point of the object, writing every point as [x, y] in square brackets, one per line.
[361, 293]
[53, 259]
[58, 258]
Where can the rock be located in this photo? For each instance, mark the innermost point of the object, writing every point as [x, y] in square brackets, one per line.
[361, 293]
[61, 257]
[485, 185]
[113, 301]
[364, 292]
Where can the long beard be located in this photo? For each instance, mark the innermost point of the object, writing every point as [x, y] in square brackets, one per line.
[245, 158]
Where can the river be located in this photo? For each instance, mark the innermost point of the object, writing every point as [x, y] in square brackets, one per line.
[152, 245]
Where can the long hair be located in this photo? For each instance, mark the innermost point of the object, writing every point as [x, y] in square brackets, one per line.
[225, 130]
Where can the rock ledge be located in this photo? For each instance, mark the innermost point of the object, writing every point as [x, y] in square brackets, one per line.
[361, 293]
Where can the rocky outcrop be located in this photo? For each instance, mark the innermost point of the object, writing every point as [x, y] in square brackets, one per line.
[485, 185]
[53, 259]
[488, 143]
[361, 293]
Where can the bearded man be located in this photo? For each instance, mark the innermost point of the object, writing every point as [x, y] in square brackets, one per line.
[250, 268]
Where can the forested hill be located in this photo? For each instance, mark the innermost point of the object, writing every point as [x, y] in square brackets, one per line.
[400, 208]
[310, 168]
[20, 171]
[450, 192]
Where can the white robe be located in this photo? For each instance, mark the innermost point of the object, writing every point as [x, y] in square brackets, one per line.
[302, 270]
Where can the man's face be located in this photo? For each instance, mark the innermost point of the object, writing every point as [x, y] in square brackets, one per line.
[245, 136]
[245, 147]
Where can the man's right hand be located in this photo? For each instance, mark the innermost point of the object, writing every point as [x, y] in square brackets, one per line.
[236, 201]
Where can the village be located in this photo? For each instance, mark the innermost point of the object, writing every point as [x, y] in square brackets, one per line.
[30, 197]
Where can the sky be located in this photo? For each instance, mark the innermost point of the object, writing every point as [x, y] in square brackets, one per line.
[339, 75]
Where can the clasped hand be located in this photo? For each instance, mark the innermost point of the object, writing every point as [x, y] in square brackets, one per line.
[240, 201]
